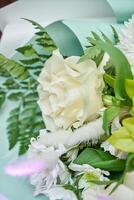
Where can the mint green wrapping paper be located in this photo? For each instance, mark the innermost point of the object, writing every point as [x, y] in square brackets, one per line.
[73, 42]
[123, 9]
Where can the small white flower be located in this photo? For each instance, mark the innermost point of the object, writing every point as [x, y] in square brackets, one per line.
[55, 171]
[89, 174]
[70, 93]
[60, 193]
[127, 41]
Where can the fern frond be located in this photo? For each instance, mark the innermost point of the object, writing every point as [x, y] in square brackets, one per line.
[27, 50]
[35, 24]
[24, 122]
[15, 69]
[13, 127]
[20, 85]
[2, 96]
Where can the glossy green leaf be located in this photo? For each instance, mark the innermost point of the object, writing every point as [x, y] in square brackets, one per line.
[129, 85]
[116, 36]
[90, 53]
[109, 80]
[130, 163]
[100, 159]
[108, 117]
[13, 68]
[15, 96]
[2, 97]
[27, 50]
[122, 67]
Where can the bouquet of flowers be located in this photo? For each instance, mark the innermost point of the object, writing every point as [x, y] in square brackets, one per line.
[85, 148]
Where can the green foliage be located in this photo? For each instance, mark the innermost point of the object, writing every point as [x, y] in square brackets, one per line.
[15, 69]
[20, 85]
[91, 53]
[119, 61]
[109, 80]
[122, 68]
[27, 50]
[100, 159]
[36, 25]
[123, 138]
[13, 127]
[129, 163]
[43, 39]
[15, 96]
[109, 115]
[24, 122]
[129, 86]
[116, 36]
[2, 97]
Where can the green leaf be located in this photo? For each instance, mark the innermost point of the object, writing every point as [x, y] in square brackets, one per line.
[13, 127]
[109, 80]
[122, 67]
[90, 53]
[116, 37]
[2, 97]
[108, 117]
[15, 69]
[123, 139]
[44, 39]
[35, 24]
[106, 39]
[100, 159]
[129, 85]
[27, 50]
[20, 85]
[30, 61]
[10, 84]
[24, 122]
[15, 96]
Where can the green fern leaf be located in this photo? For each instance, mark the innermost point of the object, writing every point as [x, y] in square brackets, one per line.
[15, 69]
[30, 61]
[13, 127]
[2, 97]
[15, 96]
[27, 50]
[35, 24]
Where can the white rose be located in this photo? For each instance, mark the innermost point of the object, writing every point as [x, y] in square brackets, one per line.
[69, 92]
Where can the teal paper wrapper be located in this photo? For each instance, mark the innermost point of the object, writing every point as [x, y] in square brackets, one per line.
[71, 41]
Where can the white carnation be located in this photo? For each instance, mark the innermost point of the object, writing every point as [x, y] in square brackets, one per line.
[127, 41]
[69, 92]
[88, 173]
